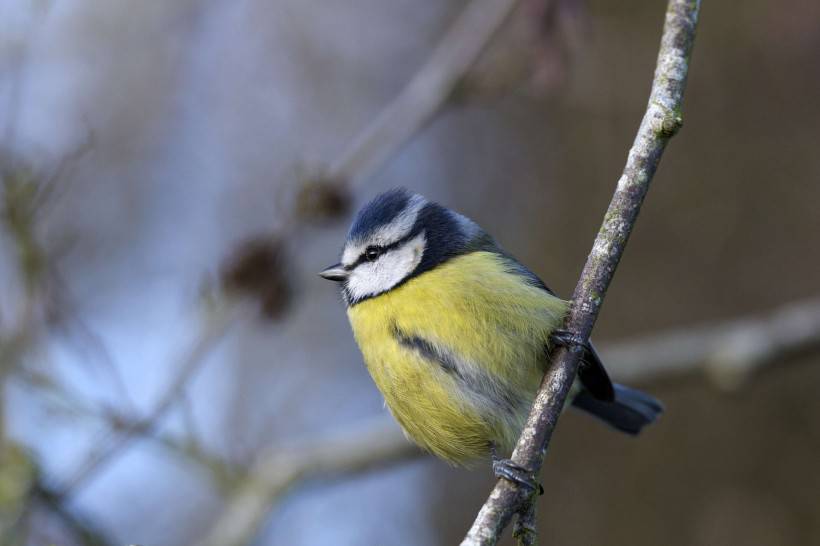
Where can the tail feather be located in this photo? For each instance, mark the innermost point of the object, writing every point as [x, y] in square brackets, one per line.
[629, 412]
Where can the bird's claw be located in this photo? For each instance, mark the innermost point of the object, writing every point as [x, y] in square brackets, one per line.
[565, 338]
[514, 472]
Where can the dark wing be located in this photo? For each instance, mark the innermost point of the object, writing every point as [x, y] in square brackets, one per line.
[592, 373]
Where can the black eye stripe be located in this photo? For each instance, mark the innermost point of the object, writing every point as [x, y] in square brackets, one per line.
[382, 250]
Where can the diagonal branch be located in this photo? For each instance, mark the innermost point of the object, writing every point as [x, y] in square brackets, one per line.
[660, 122]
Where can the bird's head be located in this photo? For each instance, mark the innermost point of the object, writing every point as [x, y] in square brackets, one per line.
[395, 237]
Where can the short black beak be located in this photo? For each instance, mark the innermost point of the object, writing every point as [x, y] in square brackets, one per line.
[335, 273]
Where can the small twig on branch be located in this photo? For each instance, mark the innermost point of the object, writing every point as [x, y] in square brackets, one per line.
[354, 449]
[429, 89]
[660, 122]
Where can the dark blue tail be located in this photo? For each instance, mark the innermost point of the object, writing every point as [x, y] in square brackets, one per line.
[629, 412]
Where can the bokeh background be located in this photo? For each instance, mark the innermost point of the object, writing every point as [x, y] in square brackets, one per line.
[170, 189]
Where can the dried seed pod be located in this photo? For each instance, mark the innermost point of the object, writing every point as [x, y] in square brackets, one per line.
[257, 269]
[320, 200]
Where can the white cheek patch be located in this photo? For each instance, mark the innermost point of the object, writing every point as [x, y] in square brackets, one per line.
[371, 278]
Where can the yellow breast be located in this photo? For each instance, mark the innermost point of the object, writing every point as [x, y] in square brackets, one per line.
[458, 352]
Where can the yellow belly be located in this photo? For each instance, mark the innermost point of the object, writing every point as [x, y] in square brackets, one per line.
[492, 321]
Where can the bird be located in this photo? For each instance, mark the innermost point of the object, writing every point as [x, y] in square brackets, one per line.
[456, 333]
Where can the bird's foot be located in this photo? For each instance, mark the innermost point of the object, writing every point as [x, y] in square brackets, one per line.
[514, 472]
[565, 338]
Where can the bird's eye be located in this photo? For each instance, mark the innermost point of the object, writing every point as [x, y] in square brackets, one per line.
[372, 252]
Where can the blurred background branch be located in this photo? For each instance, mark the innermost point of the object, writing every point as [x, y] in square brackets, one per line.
[427, 92]
[729, 352]
[358, 448]
[224, 317]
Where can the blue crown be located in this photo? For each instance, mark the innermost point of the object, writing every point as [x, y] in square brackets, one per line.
[380, 211]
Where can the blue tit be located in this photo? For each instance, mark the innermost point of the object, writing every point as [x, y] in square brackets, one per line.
[456, 333]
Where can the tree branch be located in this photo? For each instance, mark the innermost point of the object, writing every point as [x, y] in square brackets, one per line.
[660, 122]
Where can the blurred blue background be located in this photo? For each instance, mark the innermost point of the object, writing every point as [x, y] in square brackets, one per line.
[167, 200]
